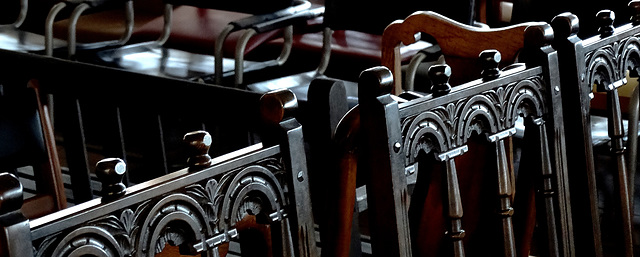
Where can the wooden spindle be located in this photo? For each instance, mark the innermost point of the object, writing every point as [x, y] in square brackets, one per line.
[548, 191]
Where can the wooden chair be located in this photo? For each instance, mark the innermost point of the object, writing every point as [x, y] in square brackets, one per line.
[117, 116]
[425, 137]
[592, 66]
[200, 208]
[459, 49]
[27, 142]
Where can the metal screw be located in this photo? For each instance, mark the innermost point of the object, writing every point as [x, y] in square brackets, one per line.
[396, 147]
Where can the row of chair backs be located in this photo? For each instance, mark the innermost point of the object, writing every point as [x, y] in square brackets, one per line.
[430, 134]
[438, 130]
[199, 208]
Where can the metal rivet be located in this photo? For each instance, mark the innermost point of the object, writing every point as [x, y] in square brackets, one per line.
[396, 147]
[300, 176]
[557, 89]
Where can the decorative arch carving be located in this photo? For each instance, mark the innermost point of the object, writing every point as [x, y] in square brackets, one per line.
[88, 241]
[445, 127]
[254, 190]
[172, 209]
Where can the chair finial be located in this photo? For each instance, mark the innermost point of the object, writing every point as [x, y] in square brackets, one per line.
[277, 105]
[635, 12]
[490, 59]
[10, 193]
[565, 24]
[110, 172]
[605, 19]
[198, 143]
[439, 75]
[538, 35]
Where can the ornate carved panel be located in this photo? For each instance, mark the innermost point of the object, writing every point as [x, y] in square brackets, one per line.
[200, 215]
[448, 126]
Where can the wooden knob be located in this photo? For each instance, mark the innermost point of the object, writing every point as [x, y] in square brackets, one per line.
[490, 59]
[110, 172]
[277, 105]
[605, 19]
[198, 143]
[10, 193]
[634, 7]
[439, 76]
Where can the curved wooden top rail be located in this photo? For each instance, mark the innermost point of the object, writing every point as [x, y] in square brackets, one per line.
[455, 39]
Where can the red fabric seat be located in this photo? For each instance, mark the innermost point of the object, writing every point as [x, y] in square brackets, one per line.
[195, 30]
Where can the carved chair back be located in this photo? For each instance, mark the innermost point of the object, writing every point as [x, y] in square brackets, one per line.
[389, 140]
[27, 148]
[105, 112]
[199, 208]
[592, 66]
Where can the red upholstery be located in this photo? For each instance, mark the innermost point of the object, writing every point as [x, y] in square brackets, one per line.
[195, 30]
[351, 51]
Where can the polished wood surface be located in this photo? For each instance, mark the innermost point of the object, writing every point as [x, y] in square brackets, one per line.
[459, 43]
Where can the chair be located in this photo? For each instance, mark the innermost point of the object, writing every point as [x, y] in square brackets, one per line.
[201, 36]
[351, 43]
[117, 116]
[28, 148]
[455, 49]
[438, 141]
[592, 66]
[201, 209]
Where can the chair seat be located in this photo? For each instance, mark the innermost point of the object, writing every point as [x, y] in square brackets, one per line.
[23, 41]
[150, 58]
[196, 29]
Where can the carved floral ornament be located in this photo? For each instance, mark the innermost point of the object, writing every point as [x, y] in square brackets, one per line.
[450, 125]
[201, 214]
[608, 64]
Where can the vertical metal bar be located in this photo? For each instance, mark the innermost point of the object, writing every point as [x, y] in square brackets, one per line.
[48, 28]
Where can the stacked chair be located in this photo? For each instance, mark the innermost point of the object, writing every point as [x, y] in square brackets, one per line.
[494, 155]
[388, 141]
[599, 64]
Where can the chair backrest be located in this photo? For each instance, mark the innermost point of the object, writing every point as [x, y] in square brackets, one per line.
[105, 112]
[200, 208]
[459, 43]
[598, 64]
[27, 144]
[388, 141]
